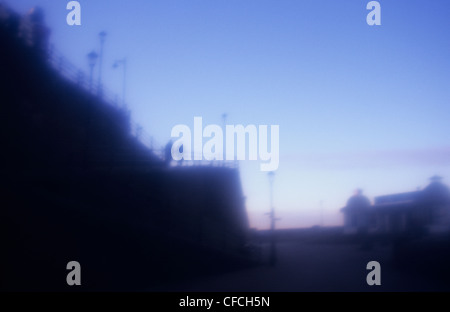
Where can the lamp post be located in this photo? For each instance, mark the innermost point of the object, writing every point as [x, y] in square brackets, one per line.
[272, 255]
[117, 63]
[102, 36]
[92, 60]
[321, 213]
[224, 122]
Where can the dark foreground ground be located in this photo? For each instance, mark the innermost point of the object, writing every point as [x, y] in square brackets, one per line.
[303, 266]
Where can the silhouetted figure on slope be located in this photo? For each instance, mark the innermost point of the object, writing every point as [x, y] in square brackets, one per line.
[9, 19]
[168, 153]
[34, 31]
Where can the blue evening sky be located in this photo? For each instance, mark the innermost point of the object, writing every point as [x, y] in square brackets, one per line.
[357, 105]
